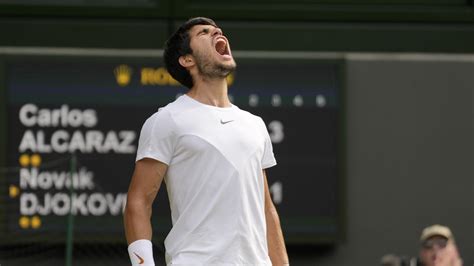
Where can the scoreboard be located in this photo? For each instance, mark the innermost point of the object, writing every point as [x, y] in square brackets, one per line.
[92, 108]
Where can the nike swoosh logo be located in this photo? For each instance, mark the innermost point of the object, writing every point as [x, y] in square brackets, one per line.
[140, 258]
[225, 122]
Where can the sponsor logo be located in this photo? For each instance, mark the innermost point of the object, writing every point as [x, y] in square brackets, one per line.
[123, 75]
[150, 76]
[225, 122]
[141, 260]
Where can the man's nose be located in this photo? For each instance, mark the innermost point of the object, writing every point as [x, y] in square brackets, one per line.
[216, 31]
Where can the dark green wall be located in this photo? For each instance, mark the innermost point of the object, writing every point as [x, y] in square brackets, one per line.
[244, 35]
[275, 10]
[77, 32]
[310, 25]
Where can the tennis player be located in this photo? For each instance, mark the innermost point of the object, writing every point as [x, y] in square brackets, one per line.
[212, 156]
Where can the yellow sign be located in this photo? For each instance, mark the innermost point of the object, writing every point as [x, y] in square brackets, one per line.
[157, 76]
[160, 76]
[123, 75]
[150, 76]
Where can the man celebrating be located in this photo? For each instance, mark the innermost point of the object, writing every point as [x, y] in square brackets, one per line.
[212, 156]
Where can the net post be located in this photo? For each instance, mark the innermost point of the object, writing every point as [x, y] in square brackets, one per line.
[70, 221]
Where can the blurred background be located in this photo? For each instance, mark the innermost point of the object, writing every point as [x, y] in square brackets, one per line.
[368, 104]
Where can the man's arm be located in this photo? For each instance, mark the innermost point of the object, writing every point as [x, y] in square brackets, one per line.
[276, 243]
[144, 186]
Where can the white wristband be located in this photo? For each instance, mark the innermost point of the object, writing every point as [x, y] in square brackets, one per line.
[141, 253]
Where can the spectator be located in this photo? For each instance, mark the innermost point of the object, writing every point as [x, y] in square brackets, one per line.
[438, 247]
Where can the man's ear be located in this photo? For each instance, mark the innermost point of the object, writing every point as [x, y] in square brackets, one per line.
[186, 61]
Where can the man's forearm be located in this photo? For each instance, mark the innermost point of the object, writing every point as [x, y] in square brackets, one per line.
[138, 233]
[137, 224]
[276, 242]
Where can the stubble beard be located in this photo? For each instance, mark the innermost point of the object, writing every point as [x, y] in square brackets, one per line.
[212, 70]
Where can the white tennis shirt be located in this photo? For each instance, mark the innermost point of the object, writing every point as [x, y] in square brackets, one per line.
[215, 158]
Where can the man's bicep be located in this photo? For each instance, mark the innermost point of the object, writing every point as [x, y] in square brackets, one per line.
[147, 178]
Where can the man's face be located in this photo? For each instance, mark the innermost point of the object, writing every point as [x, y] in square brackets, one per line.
[211, 51]
[439, 251]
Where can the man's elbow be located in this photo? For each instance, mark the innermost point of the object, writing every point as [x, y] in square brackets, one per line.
[137, 206]
[270, 207]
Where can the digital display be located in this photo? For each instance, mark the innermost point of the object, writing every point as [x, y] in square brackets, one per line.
[94, 108]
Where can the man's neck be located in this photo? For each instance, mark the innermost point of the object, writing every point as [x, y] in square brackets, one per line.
[211, 92]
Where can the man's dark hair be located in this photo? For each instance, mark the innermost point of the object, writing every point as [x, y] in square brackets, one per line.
[178, 45]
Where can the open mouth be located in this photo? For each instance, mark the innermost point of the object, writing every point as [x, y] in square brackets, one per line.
[221, 47]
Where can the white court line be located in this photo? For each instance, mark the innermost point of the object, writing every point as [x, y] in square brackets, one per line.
[62, 51]
[410, 57]
[158, 53]
[288, 55]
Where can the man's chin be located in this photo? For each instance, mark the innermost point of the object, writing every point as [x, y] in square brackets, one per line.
[231, 65]
[227, 69]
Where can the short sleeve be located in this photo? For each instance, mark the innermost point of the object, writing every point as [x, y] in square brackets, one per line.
[268, 158]
[157, 138]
